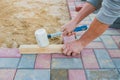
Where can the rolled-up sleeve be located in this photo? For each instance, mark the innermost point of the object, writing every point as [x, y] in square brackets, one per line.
[109, 11]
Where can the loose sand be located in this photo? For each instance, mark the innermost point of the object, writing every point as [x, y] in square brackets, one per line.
[20, 18]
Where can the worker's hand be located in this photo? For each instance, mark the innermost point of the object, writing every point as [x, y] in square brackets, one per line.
[72, 48]
[68, 28]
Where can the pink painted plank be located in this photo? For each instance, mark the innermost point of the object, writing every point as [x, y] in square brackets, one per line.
[9, 52]
[95, 45]
[63, 56]
[68, 39]
[77, 75]
[89, 59]
[43, 61]
[7, 74]
[114, 53]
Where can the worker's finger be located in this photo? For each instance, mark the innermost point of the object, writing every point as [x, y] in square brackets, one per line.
[62, 28]
[65, 49]
[74, 54]
[69, 53]
[73, 33]
[70, 33]
[65, 33]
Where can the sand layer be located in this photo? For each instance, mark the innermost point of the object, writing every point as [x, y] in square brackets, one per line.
[20, 18]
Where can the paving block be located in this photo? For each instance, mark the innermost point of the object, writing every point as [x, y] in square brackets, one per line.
[111, 32]
[103, 74]
[117, 62]
[9, 62]
[29, 74]
[9, 53]
[103, 58]
[76, 75]
[7, 74]
[119, 71]
[117, 40]
[64, 56]
[64, 63]
[59, 74]
[108, 42]
[114, 53]
[43, 61]
[27, 61]
[97, 39]
[95, 45]
[68, 39]
[89, 59]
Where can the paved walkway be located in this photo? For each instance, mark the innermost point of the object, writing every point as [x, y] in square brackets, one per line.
[100, 60]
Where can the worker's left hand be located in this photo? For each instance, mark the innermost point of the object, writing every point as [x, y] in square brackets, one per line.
[72, 48]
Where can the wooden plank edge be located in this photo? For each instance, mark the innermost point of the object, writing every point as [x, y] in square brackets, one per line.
[35, 49]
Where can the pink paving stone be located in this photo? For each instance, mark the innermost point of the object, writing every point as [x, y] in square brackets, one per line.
[9, 52]
[63, 56]
[68, 39]
[77, 75]
[89, 59]
[114, 53]
[7, 74]
[117, 40]
[43, 61]
[95, 45]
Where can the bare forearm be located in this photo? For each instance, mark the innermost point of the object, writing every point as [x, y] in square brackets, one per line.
[95, 30]
[85, 11]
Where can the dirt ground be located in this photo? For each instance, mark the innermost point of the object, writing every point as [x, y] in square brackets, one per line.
[20, 18]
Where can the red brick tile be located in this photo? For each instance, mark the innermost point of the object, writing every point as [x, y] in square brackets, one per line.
[89, 59]
[114, 53]
[9, 53]
[43, 61]
[63, 56]
[95, 45]
[77, 75]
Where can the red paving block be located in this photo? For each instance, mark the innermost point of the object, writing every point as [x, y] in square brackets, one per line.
[9, 53]
[89, 59]
[63, 56]
[95, 45]
[43, 61]
[67, 39]
[7, 74]
[114, 53]
[77, 75]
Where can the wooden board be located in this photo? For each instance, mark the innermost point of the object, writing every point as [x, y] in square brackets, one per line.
[35, 49]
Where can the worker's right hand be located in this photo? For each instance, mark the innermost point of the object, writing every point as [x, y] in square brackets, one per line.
[68, 29]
